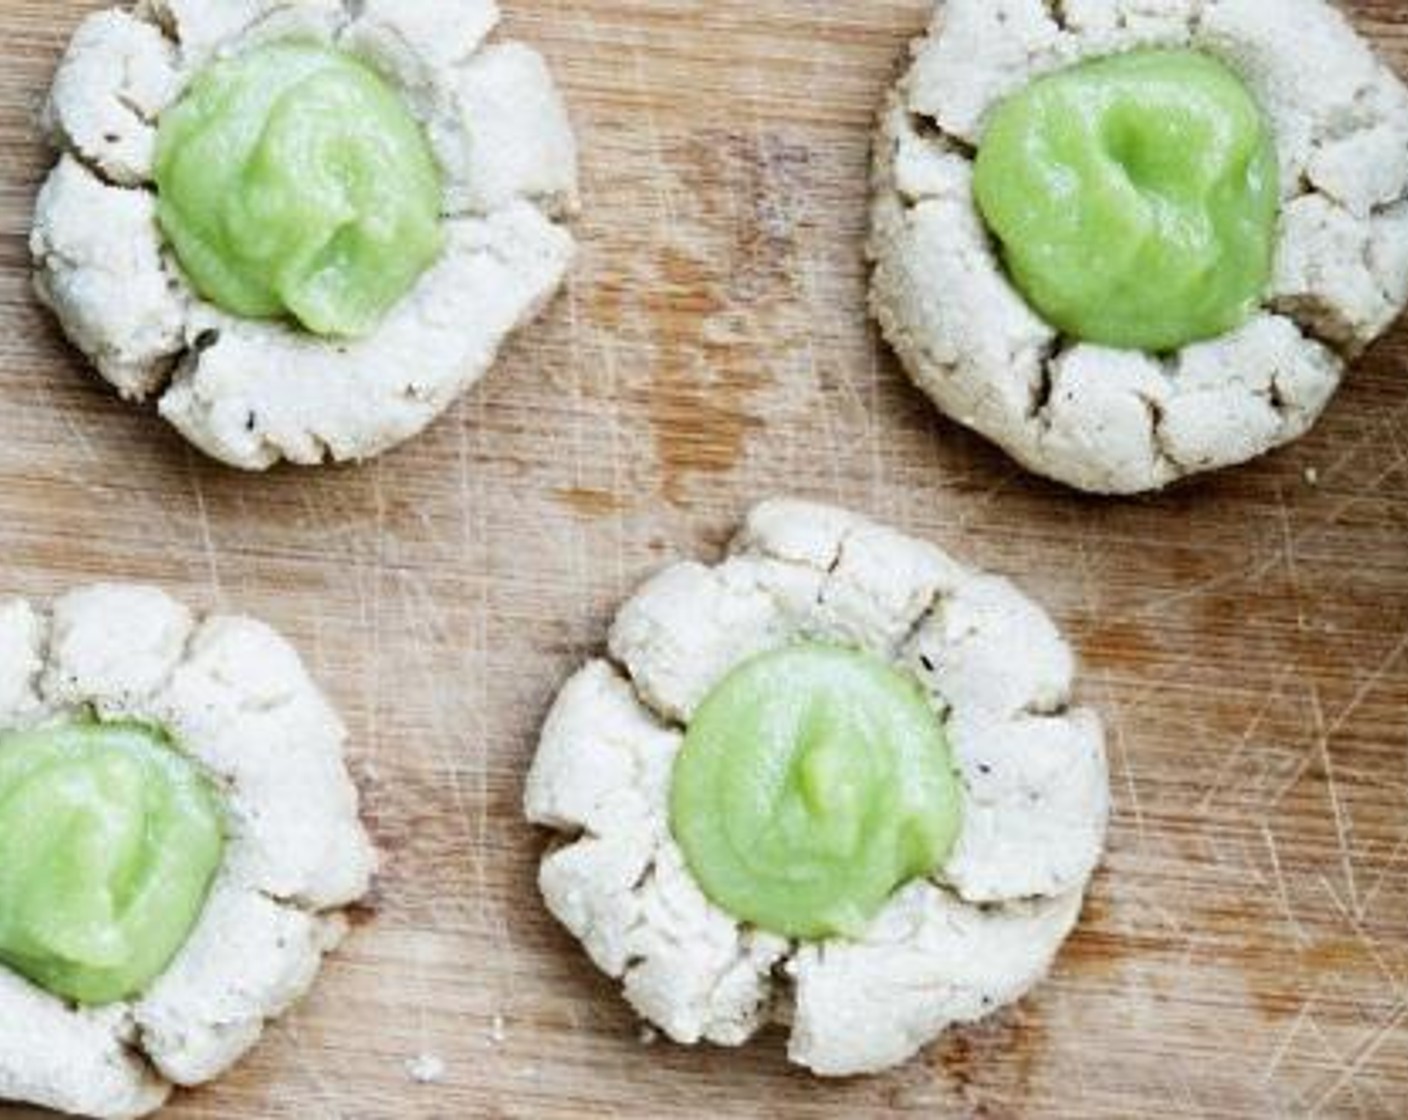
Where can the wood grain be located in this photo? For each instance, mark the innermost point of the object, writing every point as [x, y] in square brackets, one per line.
[1246, 949]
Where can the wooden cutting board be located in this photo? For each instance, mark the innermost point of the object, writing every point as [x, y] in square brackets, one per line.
[1245, 952]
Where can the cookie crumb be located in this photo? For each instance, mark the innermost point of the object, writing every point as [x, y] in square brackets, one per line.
[1312, 476]
[425, 1069]
[497, 1033]
[649, 1036]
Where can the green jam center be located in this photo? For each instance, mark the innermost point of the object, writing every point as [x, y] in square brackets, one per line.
[109, 842]
[293, 182]
[1135, 198]
[813, 782]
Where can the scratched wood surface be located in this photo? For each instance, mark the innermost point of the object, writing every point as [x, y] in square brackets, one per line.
[1245, 952]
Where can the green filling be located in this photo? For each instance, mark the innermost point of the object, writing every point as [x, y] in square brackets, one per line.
[1135, 198]
[813, 782]
[109, 842]
[293, 181]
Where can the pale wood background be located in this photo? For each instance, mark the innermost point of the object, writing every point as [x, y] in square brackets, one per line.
[1246, 950]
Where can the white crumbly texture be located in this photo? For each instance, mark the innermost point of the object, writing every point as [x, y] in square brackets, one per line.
[204, 29]
[928, 962]
[239, 701]
[252, 393]
[976, 937]
[118, 74]
[1118, 422]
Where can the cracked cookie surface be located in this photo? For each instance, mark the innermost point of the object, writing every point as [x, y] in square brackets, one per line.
[947, 949]
[1117, 422]
[241, 705]
[252, 392]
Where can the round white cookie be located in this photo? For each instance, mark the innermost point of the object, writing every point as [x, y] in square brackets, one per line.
[252, 393]
[1120, 422]
[949, 949]
[240, 703]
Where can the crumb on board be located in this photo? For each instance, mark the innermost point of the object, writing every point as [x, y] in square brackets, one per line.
[426, 1069]
[1312, 476]
[497, 1033]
